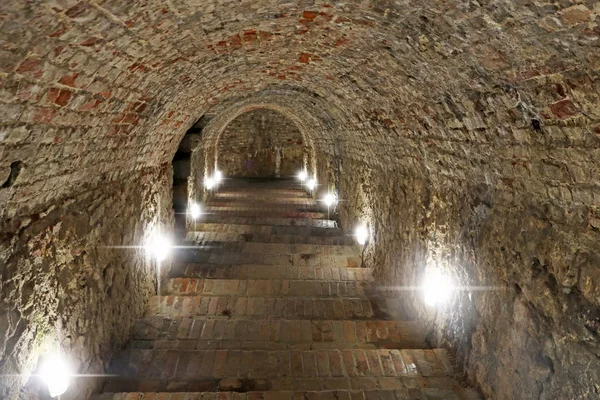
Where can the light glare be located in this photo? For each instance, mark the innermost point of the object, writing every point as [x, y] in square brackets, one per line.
[330, 199]
[56, 374]
[195, 211]
[437, 288]
[362, 234]
[218, 176]
[209, 183]
[311, 184]
[302, 175]
[159, 247]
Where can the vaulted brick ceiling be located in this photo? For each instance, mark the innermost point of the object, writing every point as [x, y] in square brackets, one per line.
[98, 88]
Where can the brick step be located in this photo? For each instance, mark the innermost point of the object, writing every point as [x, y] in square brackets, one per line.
[250, 271]
[339, 308]
[265, 212]
[454, 393]
[256, 207]
[198, 236]
[264, 200]
[267, 221]
[415, 386]
[284, 369]
[273, 248]
[292, 187]
[259, 194]
[241, 333]
[268, 287]
[303, 231]
[229, 256]
[294, 203]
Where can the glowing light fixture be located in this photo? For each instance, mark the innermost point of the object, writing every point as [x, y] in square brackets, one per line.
[330, 199]
[159, 247]
[218, 176]
[302, 175]
[311, 184]
[362, 234]
[209, 182]
[56, 374]
[195, 211]
[437, 288]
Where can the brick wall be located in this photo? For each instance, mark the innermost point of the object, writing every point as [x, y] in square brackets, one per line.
[467, 133]
[62, 282]
[261, 143]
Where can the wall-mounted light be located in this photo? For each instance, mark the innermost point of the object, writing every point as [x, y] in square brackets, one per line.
[209, 182]
[217, 177]
[330, 199]
[159, 247]
[195, 211]
[302, 175]
[437, 287]
[56, 373]
[362, 234]
[311, 184]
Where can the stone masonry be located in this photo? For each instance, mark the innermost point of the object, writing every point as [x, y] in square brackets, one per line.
[261, 143]
[271, 303]
[465, 133]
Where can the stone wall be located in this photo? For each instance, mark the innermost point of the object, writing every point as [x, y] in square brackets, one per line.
[526, 241]
[61, 281]
[467, 133]
[261, 143]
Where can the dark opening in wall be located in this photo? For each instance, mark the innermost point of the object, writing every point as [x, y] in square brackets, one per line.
[261, 143]
[15, 170]
[181, 171]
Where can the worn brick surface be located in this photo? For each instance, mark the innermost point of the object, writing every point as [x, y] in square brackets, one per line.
[277, 327]
[466, 133]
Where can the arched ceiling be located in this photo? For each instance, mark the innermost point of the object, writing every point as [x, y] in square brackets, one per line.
[315, 119]
[94, 89]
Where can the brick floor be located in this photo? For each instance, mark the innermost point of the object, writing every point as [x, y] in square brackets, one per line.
[268, 301]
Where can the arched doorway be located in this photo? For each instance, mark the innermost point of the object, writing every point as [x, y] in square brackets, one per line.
[261, 143]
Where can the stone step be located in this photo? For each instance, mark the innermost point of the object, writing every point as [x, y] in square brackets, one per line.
[268, 287]
[274, 248]
[241, 333]
[229, 256]
[265, 212]
[445, 388]
[453, 393]
[198, 236]
[266, 221]
[303, 231]
[261, 207]
[259, 194]
[249, 271]
[264, 200]
[339, 308]
[283, 369]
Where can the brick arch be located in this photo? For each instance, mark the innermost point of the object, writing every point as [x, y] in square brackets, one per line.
[316, 120]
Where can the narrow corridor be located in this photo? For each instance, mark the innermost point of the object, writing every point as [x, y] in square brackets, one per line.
[268, 301]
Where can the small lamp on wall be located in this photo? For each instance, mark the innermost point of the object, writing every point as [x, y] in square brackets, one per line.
[159, 247]
[209, 182]
[311, 185]
[330, 199]
[195, 211]
[302, 175]
[218, 177]
[362, 235]
[437, 287]
[56, 373]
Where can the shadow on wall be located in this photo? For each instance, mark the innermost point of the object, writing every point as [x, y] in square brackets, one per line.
[261, 143]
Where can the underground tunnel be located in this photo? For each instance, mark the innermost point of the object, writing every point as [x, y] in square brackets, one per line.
[259, 199]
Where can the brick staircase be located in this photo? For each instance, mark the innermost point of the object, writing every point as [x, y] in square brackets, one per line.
[269, 302]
